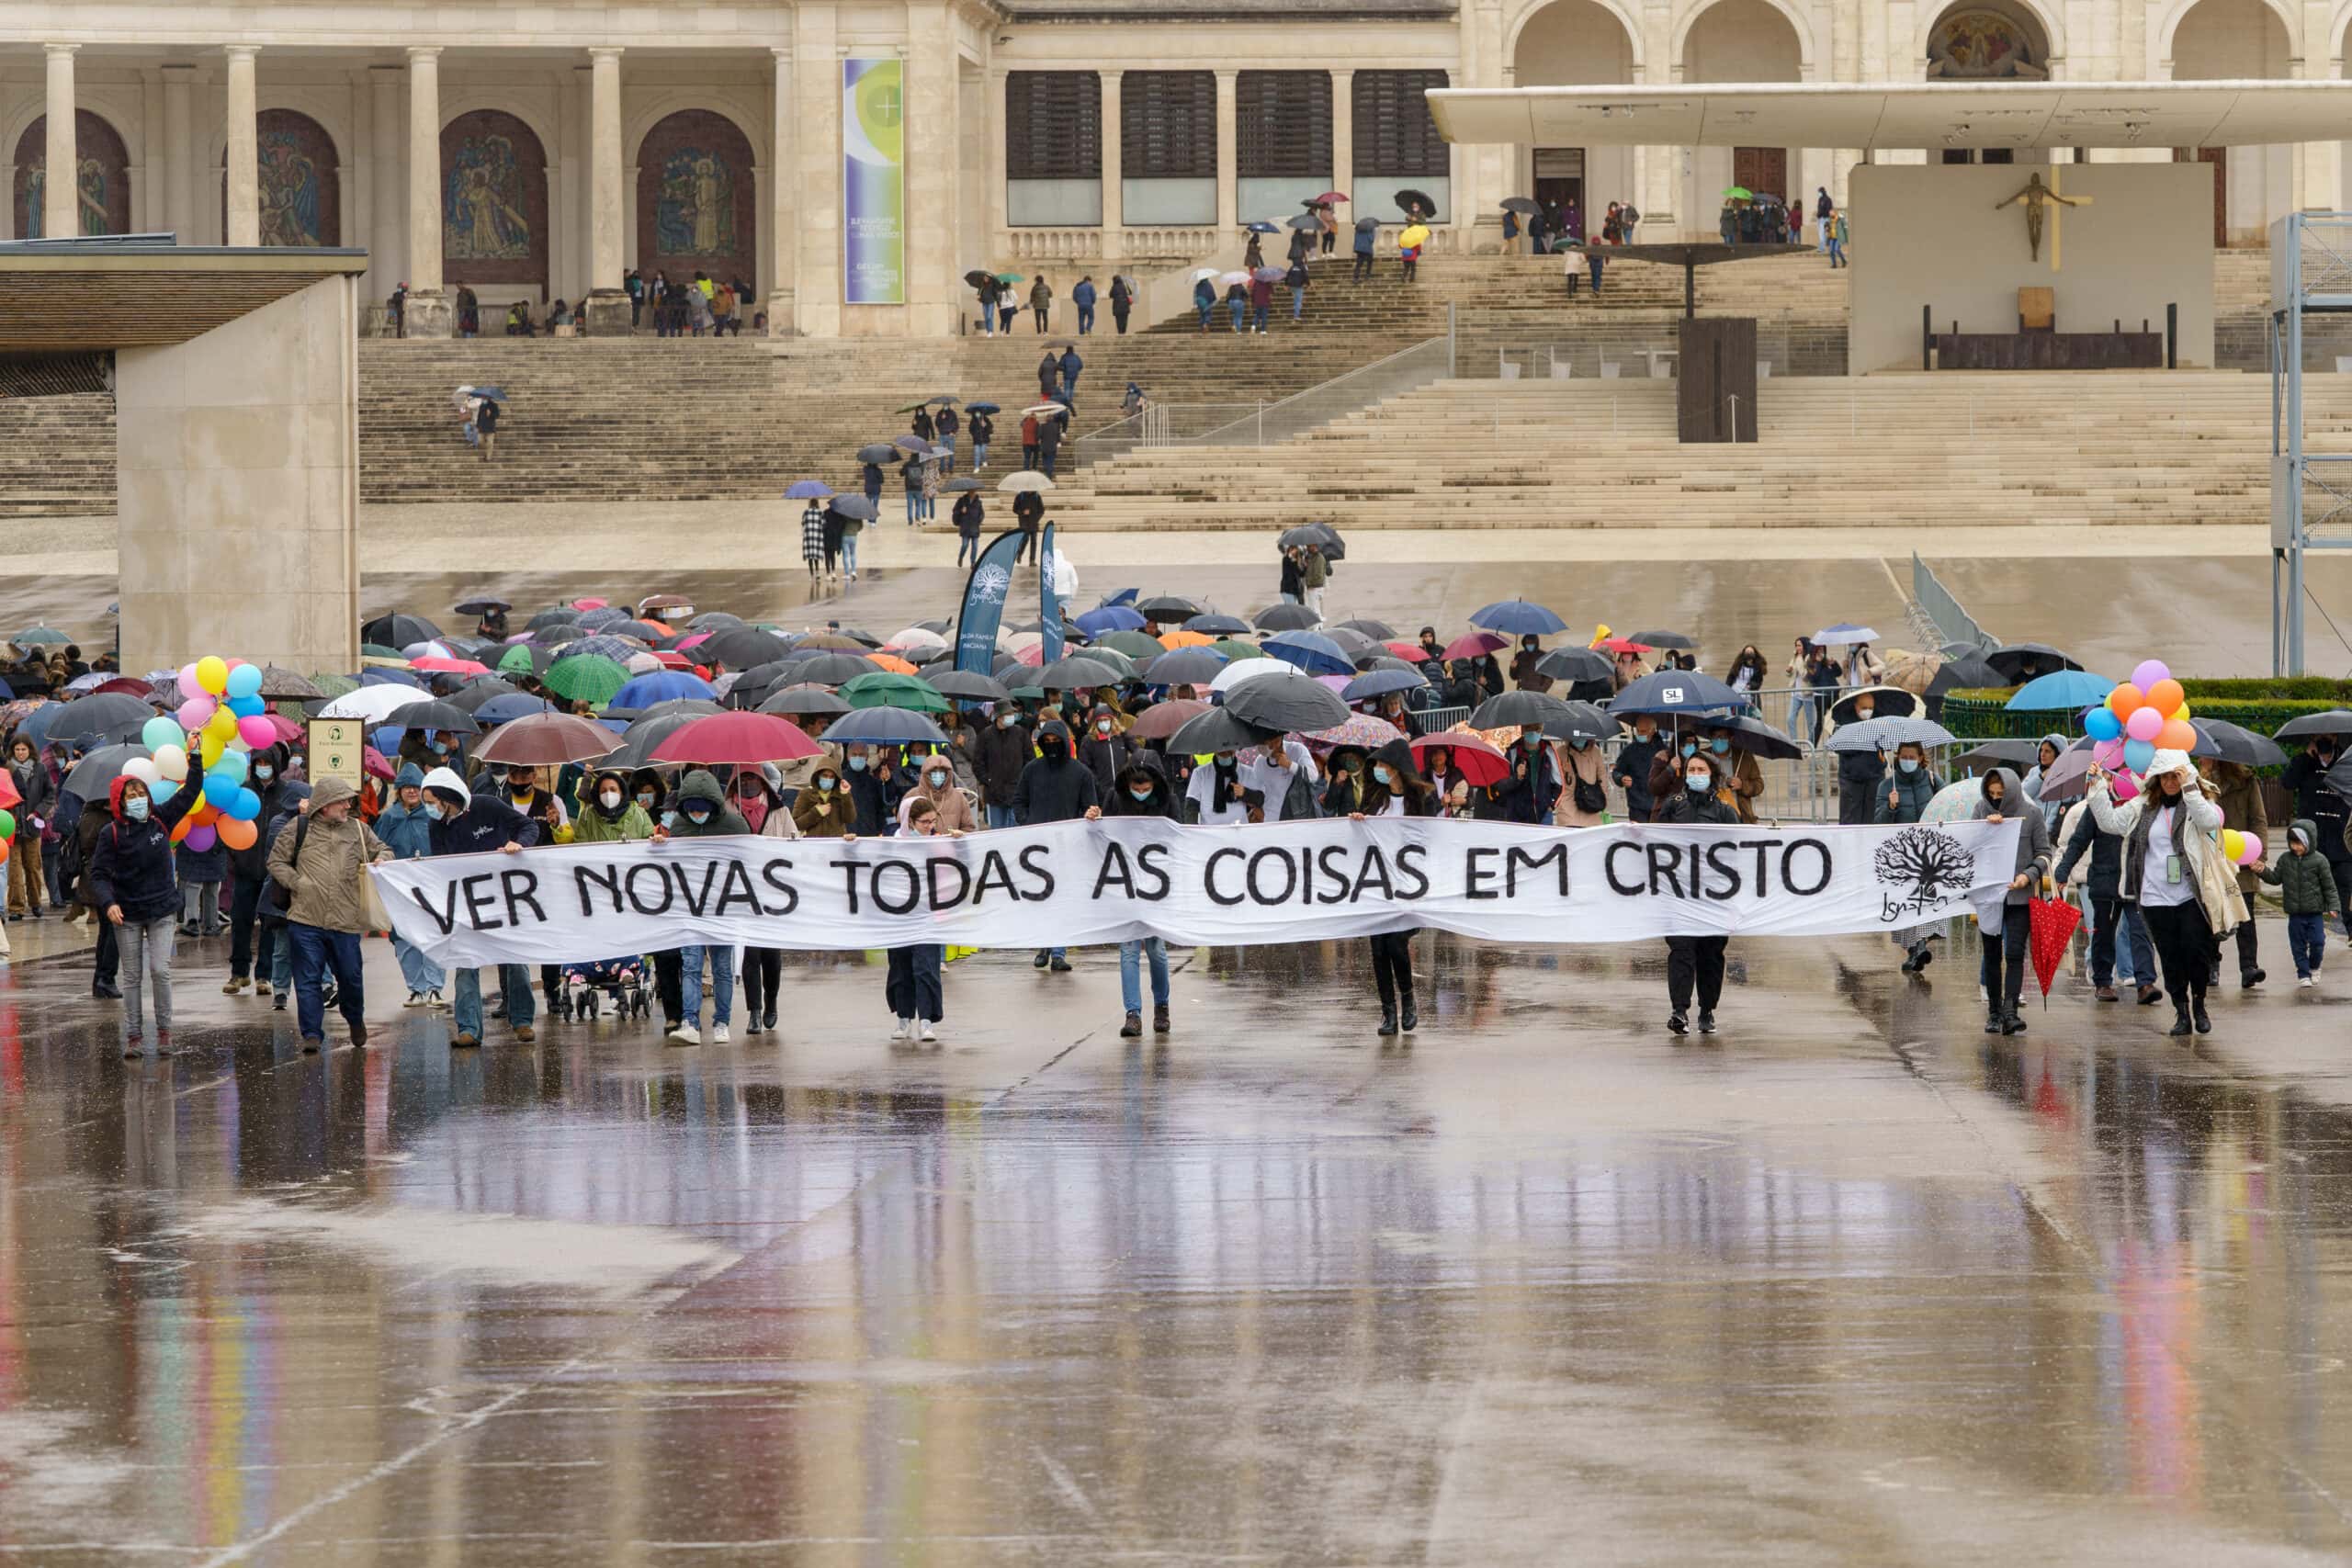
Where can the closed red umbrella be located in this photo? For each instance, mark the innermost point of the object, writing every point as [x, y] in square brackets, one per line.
[2054, 920]
[742, 739]
[546, 740]
[1473, 756]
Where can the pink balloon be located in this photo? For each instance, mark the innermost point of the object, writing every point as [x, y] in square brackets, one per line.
[188, 681]
[2253, 851]
[2108, 755]
[257, 731]
[196, 712]
[2123, 786]
[201, 839]
[2145, 724]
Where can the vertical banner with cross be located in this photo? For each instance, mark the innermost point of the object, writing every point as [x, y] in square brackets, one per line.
[338, 750]
[1049, 599]
[874, 223]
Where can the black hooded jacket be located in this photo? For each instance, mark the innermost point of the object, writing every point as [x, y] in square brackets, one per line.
[1163, 800]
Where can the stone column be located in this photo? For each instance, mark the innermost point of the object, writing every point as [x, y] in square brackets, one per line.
[431, 313]
[817, 90]
[387, 219]
[245, 150]
[2320, 172]
[1114, 205]
[928, 135]
[1477, 212]
[1228, 157]
[178, 206]
[1344, 150]
[776, 218]
[61, 206]
[608, 302]
[147, 210]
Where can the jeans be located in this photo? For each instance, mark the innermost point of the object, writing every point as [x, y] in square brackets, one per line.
[1257, 318]
[317, 950]
[914, 504]
[281, 948]
[967, 544]
[1363, 267]
[1297, 303]
[2131, 959]
[1003, 816]
[1085, 320]
[1131, 957]
[979, 454]
[1694, 960]
[1239, 311]
[988, 317]
[2185, 946]
[849, 554]
[1822, 227]
[421, 972]
[911, 986]
[1800, 712]
[2307, 940]
[1207, 310]
[513, 993]
[246, 960]
[1837, 252]
[146, 948]
[722, 984]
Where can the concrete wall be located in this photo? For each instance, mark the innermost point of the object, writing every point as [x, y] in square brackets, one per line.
[238, 485]
[1930, 235]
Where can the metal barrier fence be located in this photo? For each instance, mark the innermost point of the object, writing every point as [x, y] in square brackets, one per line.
[1951, 622]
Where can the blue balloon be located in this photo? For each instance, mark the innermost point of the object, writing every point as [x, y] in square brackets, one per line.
[159, 732]
[246, 707]
[219, 789]
[231, 765]
[2138, 754]
[162, 790]
[245, 806]
[245, 681]
[2102, 725]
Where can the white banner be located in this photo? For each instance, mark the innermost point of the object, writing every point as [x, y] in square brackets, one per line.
[1086, 883]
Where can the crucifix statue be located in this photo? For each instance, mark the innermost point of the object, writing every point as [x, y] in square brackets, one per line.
[2037, 198]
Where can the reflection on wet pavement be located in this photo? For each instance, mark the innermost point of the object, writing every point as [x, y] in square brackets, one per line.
[1849, 1282]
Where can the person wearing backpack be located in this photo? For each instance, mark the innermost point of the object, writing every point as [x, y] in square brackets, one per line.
[132, 884]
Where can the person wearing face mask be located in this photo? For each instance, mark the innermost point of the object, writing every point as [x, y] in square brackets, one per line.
[999, 752]
[527, 794]
[755, 799]
[1396, 789]
[1530, 787]
[1282, 773]
[823, 809]
[466, 823]
[253, 963]
[875, 783]
[2120, 942]
[34, 795]
[1214, 796]
[1676, 747]
[1695, 964]
[1446, 782]
[322, 863]
[1141, 790]
[1861, 775]
[2053, 747]
[2172, 847]
[917, 1001]
[2004, 920]
[1344, 795]
[702, 812]
[131, 877]
[1634, 761]
[935, 783]
[407, 833]
[1907, 791]
[1523, 673]
[2330, 813]
[1746, 672]
[1104, 749]
[1584, 785]
[1056, 787]
[1736, 774]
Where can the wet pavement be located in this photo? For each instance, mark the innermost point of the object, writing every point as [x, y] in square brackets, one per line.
[1849, 1282]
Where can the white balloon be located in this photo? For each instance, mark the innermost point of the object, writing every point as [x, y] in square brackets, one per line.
[171, 763]
[142, 769]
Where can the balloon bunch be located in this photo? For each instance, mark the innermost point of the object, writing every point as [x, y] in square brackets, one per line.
[2145, 714]
[222, 716]
[2242, 849]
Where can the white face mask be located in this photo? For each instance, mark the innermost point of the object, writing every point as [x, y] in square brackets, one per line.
[612, 799]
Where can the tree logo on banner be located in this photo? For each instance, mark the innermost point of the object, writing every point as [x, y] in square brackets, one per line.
[991, 583]
[1926, 866]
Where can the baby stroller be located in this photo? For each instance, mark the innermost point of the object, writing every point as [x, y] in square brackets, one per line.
[621, 981]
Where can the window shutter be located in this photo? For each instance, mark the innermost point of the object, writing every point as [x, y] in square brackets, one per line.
[1168, 125]
[1395, 136]
[1053, 125]
[1282, 123]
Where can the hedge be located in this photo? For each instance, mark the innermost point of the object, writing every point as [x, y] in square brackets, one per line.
[2259, 704]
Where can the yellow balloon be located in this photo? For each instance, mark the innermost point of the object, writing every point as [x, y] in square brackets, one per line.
[2180, 713]
[212, 748]
[213, 673]
[220, 726]
[2233, 844]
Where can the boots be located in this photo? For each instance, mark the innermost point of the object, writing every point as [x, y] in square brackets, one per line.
[1160, 1022]
[2179, 1022]
[1412, 1015]
[1993, 1019]
[2011, 1023]
[1388, 1017]
[1132, 1028]
[2197, 1011]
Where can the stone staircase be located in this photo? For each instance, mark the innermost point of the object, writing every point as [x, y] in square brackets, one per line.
[1887, 451]
[57, 455]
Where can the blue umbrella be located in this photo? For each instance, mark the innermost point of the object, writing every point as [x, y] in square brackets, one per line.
[807, 489]
[1220, 626]
[1260, 226]
[979, 408]
[383, 677]
[495, 394]
[511, 706]
[1380, 682]
[1311, 651]
[1677, 691]
[1124, 596]
[2062, 689]
[1111, 618]
[1517, 617]
[885, 727]
[660, 686]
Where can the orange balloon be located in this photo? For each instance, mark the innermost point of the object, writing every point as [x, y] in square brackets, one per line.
[2125, 699]
[2166, 695]
[2177, 736]
[184, 827]
[236, 834]
[5, 847]
[204, 816]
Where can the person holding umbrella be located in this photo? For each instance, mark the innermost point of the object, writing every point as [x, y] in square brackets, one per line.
[812, 540]
[986, 288]
[2118, 933]
[2306, 778]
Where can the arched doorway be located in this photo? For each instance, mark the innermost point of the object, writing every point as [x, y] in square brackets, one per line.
[1572, 43]
[2238, 41]
[493, 206]
[1741, 40]
[698, 199]
[1974, 41]
[103, 180]
[299, 188]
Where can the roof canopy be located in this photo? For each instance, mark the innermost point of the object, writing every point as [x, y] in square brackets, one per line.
[67, 294]
[1911, 113]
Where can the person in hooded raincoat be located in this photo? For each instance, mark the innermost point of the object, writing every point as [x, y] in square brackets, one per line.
[407, 831]
[2005, 922]
[132, 883]
[467, 822]
[701, 811]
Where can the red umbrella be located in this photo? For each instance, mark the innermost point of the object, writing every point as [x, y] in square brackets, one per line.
[1473, 755]
[669, 659]
[124, 685]
[2054, 920]
[1412, 652]
[1623, 644]
[287, 728]
[1474, 645]
[1162, 720]
[738, 738]
[547, 741]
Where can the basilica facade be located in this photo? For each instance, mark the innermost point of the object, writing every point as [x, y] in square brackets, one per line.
[852, 163]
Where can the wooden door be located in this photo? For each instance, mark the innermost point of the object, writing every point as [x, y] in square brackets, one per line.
[1764, 170]
[2220, 158]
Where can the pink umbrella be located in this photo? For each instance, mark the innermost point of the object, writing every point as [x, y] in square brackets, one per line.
[1337, 682]
[1361, 729]
[737, 738]
[286, 727]
[584, 605]
[1474, 645]
[1034, 656]
[686, 642]
[375, 764]
[436, 665]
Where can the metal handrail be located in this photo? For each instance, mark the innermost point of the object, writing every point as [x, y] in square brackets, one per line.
[1211, 439]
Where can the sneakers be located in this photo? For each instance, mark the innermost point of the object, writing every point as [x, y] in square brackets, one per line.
[133, 1048]
[719, 1035]
[1160, 1025]
[1706, 1021]
[163, 1043]
[234, 987]
[1676, 1023]
[925, 1033]
[416, 1000]
[463, 1041]
[686, 1034]
[2304, 982]
[310, 1043]
[524, 1033]
[433, 999]
[1132, 1028]
[903, 1029]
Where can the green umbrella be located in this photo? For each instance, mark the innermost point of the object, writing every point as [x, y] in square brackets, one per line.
[39, 634]
[888, 688]
[523, 659]
[377, 651]
[1234, 647]
[1134, 645]
[586, 677]
[332, 686]
[1739, 193]
[1008, 277]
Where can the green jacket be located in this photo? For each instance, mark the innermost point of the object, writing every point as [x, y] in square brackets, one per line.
[2306, 886]
[591, 826]
[700, 785]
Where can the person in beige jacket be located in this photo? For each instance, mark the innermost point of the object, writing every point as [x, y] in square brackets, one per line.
[323, 860]
[935, 781]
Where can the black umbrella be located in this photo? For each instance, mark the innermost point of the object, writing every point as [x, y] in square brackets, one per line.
[1306, 221]
[1379, 631]
[561, 616]
[1665, 640]
[961, 483]
[1184, 666]
[2336, 721]
[1966, 675]
[2019, 754]
[397, 630]
[856, 506]
[445, 717]
[1364, 223]
[970, 685]
[101, 714]
[1676, 690]
[1759, 738]
[1410, 201]
[481, 689]
[1067, 674]
[1519, 203]
[2010, 659]
[713, 621]
[1574, 665]
[94, 774]
[1219, 729]
[885, 727]
[982, 407]
[880, 452]
[638, 741]
[1288, 703]
[2235, 743]
[1169, 607]
[1220, 626]
[1317, 533]
[1581, 721]
[1886, 702]
[1286, 619]
[1531, 710]
[804, 702]
[481, 606]
[831, 669]
[742, 647]
[976, 279]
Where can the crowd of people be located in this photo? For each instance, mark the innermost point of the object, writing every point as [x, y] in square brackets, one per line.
[2159, 902]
